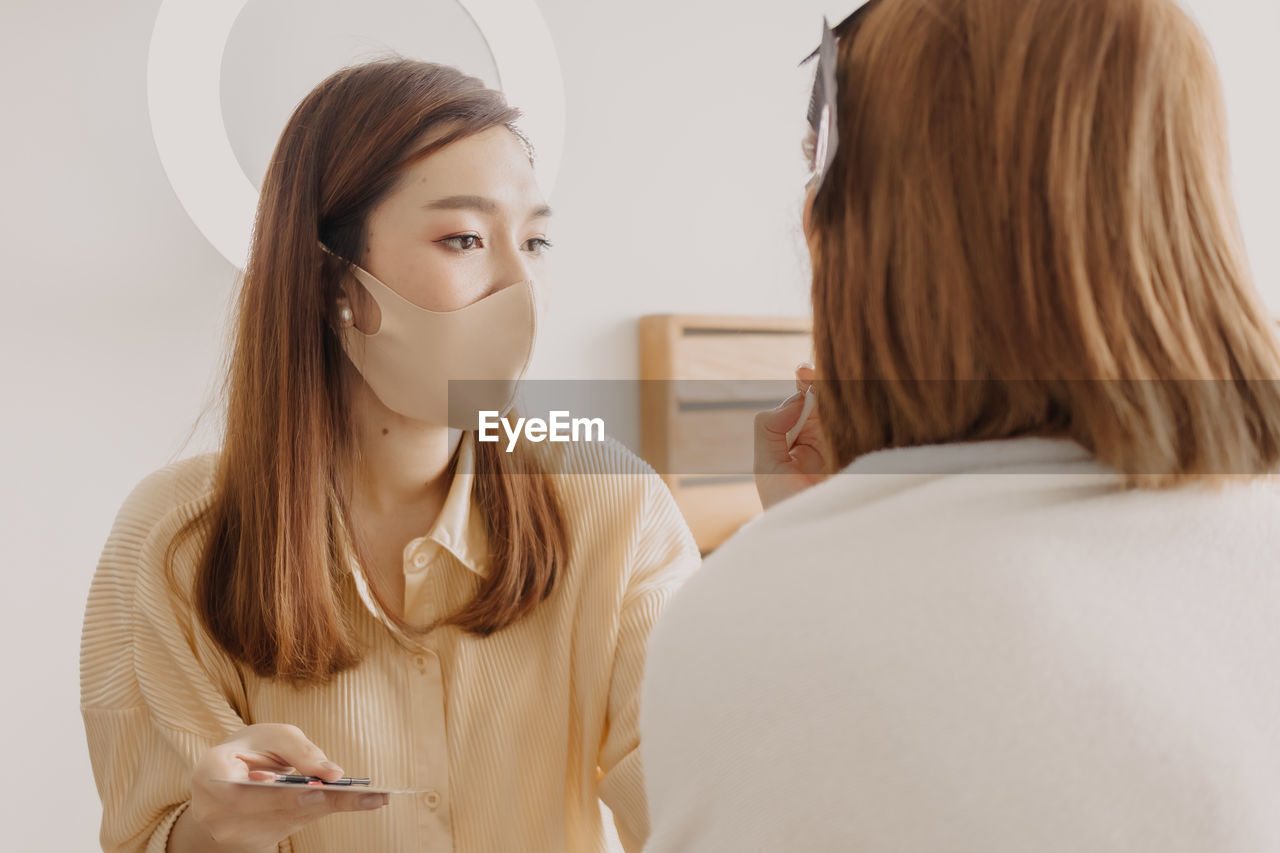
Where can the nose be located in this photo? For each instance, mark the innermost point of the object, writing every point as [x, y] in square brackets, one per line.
[510, 266]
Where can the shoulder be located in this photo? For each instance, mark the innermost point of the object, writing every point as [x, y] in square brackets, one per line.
[602, 474]
[606, 456]
[156, 508]
[166, 496]
[129, 583]
[616, 504]
[165, 488]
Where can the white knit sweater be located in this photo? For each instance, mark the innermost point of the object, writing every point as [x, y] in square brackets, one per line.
[1002, 651]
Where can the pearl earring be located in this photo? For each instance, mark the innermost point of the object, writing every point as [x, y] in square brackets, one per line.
[345, 315]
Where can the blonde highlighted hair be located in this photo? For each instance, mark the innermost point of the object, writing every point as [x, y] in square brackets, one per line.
[1028, 229]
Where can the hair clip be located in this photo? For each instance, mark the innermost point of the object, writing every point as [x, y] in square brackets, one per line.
[822, 108]
[823, 99]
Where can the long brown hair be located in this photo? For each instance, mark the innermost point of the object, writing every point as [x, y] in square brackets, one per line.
[1028, 229]
[269, 583]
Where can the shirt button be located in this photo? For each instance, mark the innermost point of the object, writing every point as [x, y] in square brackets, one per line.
[432, 799]
[420, 661]
[420, 560]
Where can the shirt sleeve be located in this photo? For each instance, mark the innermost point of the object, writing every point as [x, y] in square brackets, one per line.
[154, 691]
[665, 556]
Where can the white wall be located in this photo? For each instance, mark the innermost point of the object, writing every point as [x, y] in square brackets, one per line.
[678, 191]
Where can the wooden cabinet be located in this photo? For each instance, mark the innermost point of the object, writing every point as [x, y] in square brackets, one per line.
[703, 380]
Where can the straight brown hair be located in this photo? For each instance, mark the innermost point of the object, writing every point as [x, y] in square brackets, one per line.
[269, 585]
[1028, 229]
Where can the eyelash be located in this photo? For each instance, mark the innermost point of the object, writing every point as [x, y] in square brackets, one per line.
[477, 242]
[454, 241]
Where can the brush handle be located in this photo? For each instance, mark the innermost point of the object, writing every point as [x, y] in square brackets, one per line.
[810, 399]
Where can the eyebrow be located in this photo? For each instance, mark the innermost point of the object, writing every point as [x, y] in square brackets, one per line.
[480, 203]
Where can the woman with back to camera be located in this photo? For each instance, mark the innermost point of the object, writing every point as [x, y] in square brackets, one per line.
[1017, 587]
[354, 580]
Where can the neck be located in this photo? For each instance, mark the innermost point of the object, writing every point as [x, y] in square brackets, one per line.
[402, 464]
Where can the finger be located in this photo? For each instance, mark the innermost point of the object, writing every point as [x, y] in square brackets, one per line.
[813, 444]
[287, 745]
[806, 375]
[357, 802]
[315, 799]
[771, 433]
[778, 420]
[318, 802]
[809, 458]
[262, 762]
[254, 801]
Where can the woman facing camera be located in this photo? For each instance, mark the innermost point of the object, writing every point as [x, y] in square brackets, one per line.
[353, 586]
[1018, 586]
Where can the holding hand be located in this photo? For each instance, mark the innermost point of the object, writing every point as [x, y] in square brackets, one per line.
[788, 461]
[225, 816]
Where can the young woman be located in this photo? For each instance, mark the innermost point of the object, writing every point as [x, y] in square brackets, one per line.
[353, 584]
[1018, 587]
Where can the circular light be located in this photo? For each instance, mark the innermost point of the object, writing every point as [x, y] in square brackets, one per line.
[184, 76]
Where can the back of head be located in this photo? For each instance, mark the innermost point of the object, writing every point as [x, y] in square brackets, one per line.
[1028, 228]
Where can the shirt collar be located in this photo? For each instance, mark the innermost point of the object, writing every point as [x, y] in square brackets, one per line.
[459, 529]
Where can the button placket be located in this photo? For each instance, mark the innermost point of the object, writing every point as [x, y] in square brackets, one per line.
[430, 752]
[420, 564]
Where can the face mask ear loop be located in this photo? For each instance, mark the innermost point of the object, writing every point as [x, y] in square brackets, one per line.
[534, 307]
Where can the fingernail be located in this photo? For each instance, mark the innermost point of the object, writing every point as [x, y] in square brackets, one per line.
[804, 364]
[329, 765]
[310, 798]
[371, 801]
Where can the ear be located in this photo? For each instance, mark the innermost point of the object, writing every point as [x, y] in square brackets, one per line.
[353, 296]
[346, 316]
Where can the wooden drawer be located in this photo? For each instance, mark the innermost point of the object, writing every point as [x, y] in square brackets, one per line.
[705, 377]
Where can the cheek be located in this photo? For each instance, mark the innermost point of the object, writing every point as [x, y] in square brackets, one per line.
[445, 282]
[366, 314]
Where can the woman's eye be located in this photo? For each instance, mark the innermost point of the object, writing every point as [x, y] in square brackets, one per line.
[463, 242]
[537, 245]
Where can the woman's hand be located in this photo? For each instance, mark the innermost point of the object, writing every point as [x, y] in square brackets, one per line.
[223, 816]
[781, 471]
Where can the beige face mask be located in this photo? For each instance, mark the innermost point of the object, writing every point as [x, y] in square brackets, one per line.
[409, 361]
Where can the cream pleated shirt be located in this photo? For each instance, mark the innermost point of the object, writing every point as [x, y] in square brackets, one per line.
[518, 735]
